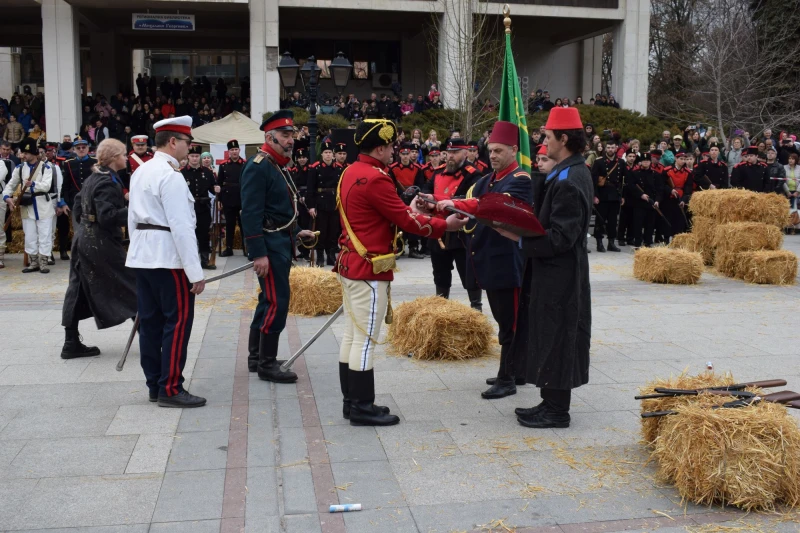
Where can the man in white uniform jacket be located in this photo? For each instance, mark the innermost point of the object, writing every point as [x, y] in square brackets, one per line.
[37, 208]
[163, 250]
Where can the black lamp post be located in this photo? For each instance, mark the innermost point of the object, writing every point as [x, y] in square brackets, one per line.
[310, 74]
[341, 70]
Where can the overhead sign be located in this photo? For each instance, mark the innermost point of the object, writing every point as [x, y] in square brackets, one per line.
[150, 21]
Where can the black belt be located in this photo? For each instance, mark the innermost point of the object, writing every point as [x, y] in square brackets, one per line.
[152, 226]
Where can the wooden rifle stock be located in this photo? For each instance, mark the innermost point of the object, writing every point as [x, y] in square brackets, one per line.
[661, 392]
[212, 261]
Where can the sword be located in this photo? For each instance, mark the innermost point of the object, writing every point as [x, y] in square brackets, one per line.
[218, 277]
[289, 362]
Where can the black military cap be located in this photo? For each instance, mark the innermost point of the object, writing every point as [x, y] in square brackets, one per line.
[374, 132]
[405, 148]
[456, 144]
[341, 147]
[752, 150]
[233, 143]
[300, 152]
[196, 149]
[28, 146]
[66, 146]
[326, 146]
[280, 120]
[656, 152]
[473, 145]
[714, 145]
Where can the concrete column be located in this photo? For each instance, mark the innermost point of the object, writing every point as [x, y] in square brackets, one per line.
[61, 68]
[265, 84]
[9, 71]
[591, 78]
[630, 57]
[102, 53]
[455, 44]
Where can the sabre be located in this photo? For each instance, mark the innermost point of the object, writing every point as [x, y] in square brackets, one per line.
[218, 277]
[415, 191]
[289, 362]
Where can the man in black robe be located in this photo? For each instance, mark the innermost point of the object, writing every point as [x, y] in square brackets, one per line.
[555, 303]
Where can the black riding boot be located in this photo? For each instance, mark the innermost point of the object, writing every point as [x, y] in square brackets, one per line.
[363, 411]
[475, 299]
[204, 262]
[74, 348]
[268, 367]
[345, 386]
[444, 292]
[252, 350]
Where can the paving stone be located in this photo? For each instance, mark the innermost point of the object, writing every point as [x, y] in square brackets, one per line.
[195, 495]
[77, 456]
[353, 443]
[262, 493]
[48, 396]
[122, 393]
[217, 350]
[270, 524]
[497, 436]
[396, 520]
[261, 413]
[213, 368]
[88, 501]
[372, 484]
[216, 391]
[137, 419]
[614, 428]
[298, 490]
[457, 478]
[201, 450]
[288, 410]
[55, 423]
[259, 389]
[13, 495]
[444, 404]
[302, 523]
[208, 418]
[150, 454]
[133, 528]
[293, 446]
[261, 442]
[389, 382]
[43, 374]
[463, 516]
[427, 438]
[196, 526]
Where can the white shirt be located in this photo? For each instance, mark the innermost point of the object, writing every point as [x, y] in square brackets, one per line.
[42, 207]
[159, 195]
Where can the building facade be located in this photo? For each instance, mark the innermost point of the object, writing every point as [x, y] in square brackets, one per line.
[96, 46]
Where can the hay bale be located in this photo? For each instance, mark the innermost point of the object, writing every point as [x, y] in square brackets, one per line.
[237, 239]
[748, 457]
[739, 205]
[434, 329]
[665, 265]
[16, 220]
[685, 241]
[778, 267]
[746, 237]
[651, 426]
[704, 229]
[17, 243]
[725, 263]
[314, 292]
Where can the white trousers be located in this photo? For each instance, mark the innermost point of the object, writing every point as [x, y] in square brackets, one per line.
[38, 236]
[3, 207]
[365, 304]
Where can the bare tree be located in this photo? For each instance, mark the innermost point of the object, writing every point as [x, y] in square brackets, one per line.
[466, 44]
[607, 61]
[731, 75]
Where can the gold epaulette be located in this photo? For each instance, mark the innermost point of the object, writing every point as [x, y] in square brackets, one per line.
[258, 159]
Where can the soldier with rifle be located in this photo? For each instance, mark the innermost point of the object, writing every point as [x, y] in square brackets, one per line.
[300, 175]
[229, 196]
[75, 171]
[608, 174]
[645, 187]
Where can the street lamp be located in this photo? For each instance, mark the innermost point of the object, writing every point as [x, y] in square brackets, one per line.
[287, 69]
[310, 74]
[341, 70]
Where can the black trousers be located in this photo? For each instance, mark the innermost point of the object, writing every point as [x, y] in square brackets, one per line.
[625, 227]
[166, 313]
[557, 399]
[203, 229]
[644, 222]
[233, 216]
[329, 228]
[62, 225]
[608, 212]
[442, 263]
[504, 304]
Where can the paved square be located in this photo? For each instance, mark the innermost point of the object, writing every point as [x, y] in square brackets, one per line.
[81, 448]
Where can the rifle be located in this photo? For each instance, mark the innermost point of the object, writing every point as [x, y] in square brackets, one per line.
[653, 205]
[663, 392]
[212, 261]
[743, 399]
[26, 262]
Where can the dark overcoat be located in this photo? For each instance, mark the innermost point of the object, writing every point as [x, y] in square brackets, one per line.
[556, 285]
[100, 285]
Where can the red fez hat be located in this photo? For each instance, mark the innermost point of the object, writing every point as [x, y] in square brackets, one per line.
[542, 150]
[564, 118]
[505, 133]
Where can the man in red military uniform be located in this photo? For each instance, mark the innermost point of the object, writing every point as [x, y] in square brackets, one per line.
[452, 181]
[405, 174]
[678, 190]
[371, 214]
[472, 158]
[434, 163]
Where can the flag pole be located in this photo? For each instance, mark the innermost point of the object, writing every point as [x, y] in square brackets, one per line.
[507, 18]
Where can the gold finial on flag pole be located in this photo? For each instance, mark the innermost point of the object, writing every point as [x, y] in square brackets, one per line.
[507, 18]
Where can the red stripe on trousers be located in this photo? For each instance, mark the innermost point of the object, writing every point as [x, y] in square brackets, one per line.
[269, 316]
[169, 388]
[186, 309]
[516, 308]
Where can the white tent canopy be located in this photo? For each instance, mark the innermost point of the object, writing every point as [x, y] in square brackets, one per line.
[234, 126]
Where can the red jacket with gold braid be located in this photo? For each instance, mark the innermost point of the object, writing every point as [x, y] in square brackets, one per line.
[370, 202]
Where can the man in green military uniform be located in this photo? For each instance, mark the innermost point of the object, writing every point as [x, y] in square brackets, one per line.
[269, 220]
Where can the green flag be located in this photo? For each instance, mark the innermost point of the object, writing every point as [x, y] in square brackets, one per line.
[512, 107]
